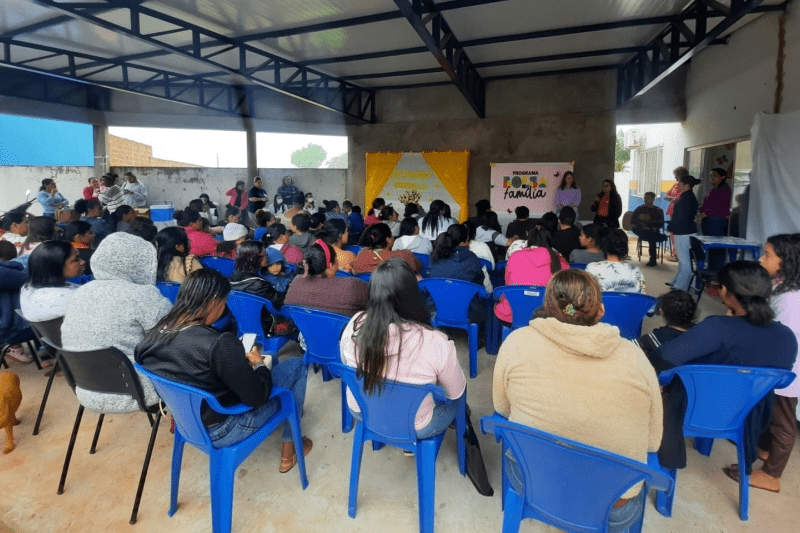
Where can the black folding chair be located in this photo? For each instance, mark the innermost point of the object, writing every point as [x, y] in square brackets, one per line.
[50, 329]
[105, 371]
[700, 276]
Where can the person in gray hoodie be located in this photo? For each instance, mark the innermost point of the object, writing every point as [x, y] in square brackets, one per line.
[116, 309]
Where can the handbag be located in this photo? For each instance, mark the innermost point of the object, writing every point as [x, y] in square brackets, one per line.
[476, 468]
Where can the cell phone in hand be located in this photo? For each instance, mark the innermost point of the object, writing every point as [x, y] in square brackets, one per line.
[248, 339]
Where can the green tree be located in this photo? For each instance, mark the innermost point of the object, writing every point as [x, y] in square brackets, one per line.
[310, 156]
[337, 161]
[621, 155]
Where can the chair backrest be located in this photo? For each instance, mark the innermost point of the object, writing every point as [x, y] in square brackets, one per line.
[354, 248]
[425, 260]
[391, 410]
[627, 310]
[321, 332]
[364, 276]
[578, 266]
[627, 220]
[246, 309]
[343, 274]
[486, 264]
[740, 387]
[569, 485]
[451, 298]
[83, 279]
[523, 299]
[223, 265]
[107, 371]
[169, 289]
[50, 329]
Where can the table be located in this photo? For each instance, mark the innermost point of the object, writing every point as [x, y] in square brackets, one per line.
[732, 244]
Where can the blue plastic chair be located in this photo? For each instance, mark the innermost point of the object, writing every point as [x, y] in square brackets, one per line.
[364, 276]
[169, 289]
[83, 279]
[425, 260]
[321, 332]
[524, 300]
[578, 266]
[708, 417]
[627, 310]
[246, 309]
[354, 248]
[343, 274]
[498, 275]
[223, 265]
[184, 402]
[451, 297]
[568, 485]
[388, 417]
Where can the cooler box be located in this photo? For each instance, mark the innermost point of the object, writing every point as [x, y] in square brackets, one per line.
[161, 213]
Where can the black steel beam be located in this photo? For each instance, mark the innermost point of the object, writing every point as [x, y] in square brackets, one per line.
[242, 56]
[667, 52]
[443, 44]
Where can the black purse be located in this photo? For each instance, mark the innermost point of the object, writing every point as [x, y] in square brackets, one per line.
[476, 468]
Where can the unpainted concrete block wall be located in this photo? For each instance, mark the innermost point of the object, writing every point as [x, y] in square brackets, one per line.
[15, 180]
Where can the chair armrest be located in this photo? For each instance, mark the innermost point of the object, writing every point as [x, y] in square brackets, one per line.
[665, 377]
[277, 392]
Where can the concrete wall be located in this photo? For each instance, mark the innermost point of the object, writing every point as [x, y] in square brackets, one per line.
[727, 85]
[554, 118]
[14, 180]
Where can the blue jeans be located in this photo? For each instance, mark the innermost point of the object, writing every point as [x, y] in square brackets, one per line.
[619, 519]
[290, 374]
[684, 274]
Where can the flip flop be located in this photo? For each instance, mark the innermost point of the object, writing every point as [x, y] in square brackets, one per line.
[288, 464]
[733, 473]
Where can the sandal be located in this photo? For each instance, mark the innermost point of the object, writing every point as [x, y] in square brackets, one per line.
[17, 354]
[287, 463]
[733, 473]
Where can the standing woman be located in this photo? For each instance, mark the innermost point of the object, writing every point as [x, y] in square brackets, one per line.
[258, 196]
[683, 227]
[50, 198]
[672, 196]
[782, 260]
[239, 198]
[607, 206]
[568, 193]
[714, 213]
[184, 347]
[393, 339]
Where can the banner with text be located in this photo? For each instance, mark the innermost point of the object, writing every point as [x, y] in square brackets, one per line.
[530, 184]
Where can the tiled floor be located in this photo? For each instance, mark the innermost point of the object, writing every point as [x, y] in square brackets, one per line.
[100, 488]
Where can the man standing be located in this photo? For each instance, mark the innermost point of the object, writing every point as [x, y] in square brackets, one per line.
[647, 220]
[135, 192]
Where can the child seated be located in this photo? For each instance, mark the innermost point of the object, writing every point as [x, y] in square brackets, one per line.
[277, 274]
[678, 309]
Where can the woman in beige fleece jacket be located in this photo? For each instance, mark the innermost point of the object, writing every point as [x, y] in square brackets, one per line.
[581, 380]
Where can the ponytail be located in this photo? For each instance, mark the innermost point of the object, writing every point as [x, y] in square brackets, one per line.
[539, 237]
[750, 284]
[759, 312]
[446, 242]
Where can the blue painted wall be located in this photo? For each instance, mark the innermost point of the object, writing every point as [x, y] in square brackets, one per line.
[33, 141]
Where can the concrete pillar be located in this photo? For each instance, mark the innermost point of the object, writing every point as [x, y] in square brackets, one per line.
[102, 156]
[252, 159]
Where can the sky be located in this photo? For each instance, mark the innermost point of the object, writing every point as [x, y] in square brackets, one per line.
[226, 149]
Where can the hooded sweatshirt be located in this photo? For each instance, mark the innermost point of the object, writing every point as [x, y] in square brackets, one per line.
[584, 383]
[462, 264]
[529, 266]
[116, 309]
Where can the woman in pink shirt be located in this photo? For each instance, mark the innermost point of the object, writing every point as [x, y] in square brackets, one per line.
[201, 243]
[393, 339]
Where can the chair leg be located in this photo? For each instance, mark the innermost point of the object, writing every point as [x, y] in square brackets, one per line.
[703, 445]
[44, 397]
[512, 513]
[744, 479]
[70, 447]
[35, 355]
[297, 436]
[461, 432]
[347, 416]
[177, 459]
[355, 468]
[664, 500]
[97, 434]
[472, 337]
[145, 467]
[426, 483]
[222, 471]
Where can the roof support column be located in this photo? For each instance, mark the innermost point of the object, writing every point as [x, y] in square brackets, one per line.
[252, 159]
[102, 157]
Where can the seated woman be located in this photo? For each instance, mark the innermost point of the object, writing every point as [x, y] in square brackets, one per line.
[486, 233]
[389, 217]
[263, 219]
[250, 259]
[335, 233]
[277, 237]
[15, 228]
[410, 239]
[377, 241]
[678, 309]
[748, 336]
[184, 347]
[534, 265]
[394, 340]
[46, 293]
[41, 229]
[319, 287]
[116, 309]
[434, 223]
[174, 260]
[233, 235]
[125, 215]
[614, 274]
[582, 382]
[482, 250]
[81, 236]
[590, 237]
[452, 258]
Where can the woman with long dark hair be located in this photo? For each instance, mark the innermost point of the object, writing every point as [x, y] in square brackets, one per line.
[452, 258]
[393, 340]
[250, 259]
[568, 192]
[41, 229]
[534, 265]
[434, 222]
[174, 260]
[184, 347]
[15, 228]
[46, 293]
[377, 241]
[277, 207]
[607, 206]
[568, 374]
[410, 239]
[319, 287]
[682, 226]
[614, 274]
[277, 237]
[49, 198]
[714, 214]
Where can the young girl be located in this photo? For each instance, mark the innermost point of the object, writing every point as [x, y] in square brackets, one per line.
[174, 260]
[277, 274]
[591, 235]
[277, 237]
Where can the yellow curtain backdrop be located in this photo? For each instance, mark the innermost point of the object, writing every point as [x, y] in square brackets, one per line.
[379, 167]
[451, 168]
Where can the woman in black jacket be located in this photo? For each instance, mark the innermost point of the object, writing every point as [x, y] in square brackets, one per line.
[250, 259]
[682, 225]
[607, 206]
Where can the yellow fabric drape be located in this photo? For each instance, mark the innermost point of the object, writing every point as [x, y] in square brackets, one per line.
[379, 167]
[451, 168]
